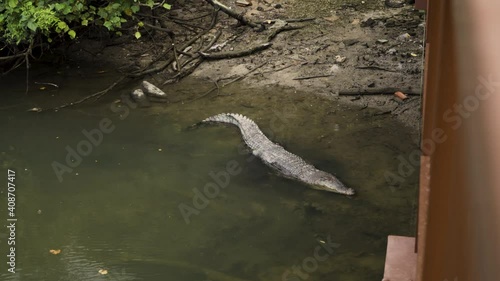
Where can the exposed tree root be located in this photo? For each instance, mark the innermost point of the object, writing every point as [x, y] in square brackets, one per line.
[313, 77]
[287, 20]
[235, 54]
[197, 59]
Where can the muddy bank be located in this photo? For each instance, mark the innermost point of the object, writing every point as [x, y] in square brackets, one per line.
[346, 46]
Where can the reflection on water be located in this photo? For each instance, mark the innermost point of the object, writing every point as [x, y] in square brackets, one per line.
[119, 208]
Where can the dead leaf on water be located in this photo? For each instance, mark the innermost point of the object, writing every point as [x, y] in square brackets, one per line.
[55, 252]
[35, 109]
[103, 271]
[42, 88]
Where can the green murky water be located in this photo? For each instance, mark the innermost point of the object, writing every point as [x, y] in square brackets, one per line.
[119, 208]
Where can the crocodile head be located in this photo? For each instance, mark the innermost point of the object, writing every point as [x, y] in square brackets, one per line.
[327, 182]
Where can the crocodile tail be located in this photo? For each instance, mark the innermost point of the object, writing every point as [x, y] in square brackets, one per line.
[230, 118]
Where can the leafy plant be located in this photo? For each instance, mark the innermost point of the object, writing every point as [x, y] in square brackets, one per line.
[22, 21]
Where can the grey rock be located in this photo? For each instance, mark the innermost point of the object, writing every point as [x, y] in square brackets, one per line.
[140, 98]
[153, 91]
[395, 3]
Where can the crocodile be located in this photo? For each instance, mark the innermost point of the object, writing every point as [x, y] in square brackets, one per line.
[275, 156]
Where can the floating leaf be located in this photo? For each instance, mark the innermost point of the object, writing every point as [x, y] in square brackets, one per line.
[34, 109]
[103, 271]
[55, 252]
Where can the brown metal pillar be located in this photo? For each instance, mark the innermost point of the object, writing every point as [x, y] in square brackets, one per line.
[460, 173]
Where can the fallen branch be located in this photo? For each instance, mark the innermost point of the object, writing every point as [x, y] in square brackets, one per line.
[313, 77]
[281, 29]
[287, 20]
[380, 91]
[198, 60]
[233, 14]
[372, 67]
[235, 54]
[166, 63]
[95, 95]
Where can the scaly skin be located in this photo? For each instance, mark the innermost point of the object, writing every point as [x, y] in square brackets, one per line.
[287, 164]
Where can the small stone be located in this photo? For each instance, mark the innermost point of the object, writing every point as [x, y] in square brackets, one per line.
[395, 3]
[368, 23]
[260, 9]
[278, 6]
[404, 37]
[382, 41]
[391, 51]
[339, 59]
[350, 42]
[243, 3]
[390, 23]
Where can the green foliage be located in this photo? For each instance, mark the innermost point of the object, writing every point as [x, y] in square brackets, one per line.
[22, 20]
